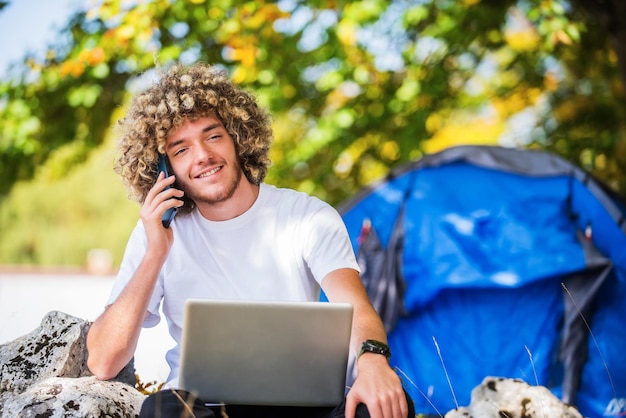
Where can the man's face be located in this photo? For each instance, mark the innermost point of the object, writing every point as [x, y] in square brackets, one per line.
[203, 158]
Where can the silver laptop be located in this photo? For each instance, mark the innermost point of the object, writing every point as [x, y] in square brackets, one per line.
[266, 353]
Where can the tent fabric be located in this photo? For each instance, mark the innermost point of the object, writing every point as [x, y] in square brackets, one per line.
[381, 271]
[381, 267]
[506, 258]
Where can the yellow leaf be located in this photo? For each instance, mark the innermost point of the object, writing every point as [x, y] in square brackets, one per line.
[215, 13]
[479, 132]
[561, 37]
[550, 82]
[239, 75]
[568, 110]
[246, 55]
[389, 150]
[92, 57]
[125, 32]
[522, 40]
[336, 99]
[346, 33]
[96, 56]
[73, 68]
[433, 122]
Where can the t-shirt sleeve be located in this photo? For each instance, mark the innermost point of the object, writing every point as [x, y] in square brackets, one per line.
[328, 247]
[135, 250]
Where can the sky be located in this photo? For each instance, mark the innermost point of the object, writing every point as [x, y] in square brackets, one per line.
[29, 26]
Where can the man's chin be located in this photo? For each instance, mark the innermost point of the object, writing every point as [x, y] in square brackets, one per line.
[213, 198]
[215, 193]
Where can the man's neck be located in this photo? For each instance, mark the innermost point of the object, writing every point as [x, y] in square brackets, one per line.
[242, 200]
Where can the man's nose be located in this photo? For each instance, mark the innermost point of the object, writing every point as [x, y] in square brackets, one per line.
[203, 152]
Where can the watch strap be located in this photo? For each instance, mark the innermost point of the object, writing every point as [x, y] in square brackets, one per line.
[376, 347]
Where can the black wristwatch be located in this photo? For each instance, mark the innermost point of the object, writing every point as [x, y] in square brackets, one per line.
[376, 347]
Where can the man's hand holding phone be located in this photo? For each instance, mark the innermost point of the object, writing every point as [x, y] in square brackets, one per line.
[163, 167]
[161, 198]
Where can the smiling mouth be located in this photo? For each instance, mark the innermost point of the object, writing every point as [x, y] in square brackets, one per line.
[210, 172]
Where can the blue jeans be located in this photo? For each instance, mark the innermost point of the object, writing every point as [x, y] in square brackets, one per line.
[182, 404]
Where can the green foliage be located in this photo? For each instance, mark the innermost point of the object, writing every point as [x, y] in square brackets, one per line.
[57, 222]
[356, 88]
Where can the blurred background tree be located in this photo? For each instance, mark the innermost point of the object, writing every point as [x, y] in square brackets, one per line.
[355, 88]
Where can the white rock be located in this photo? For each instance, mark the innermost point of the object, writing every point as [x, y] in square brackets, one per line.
[45, 374]
[75, 397]
[499, 397]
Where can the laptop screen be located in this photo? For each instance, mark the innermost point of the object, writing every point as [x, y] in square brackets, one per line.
[265, 352]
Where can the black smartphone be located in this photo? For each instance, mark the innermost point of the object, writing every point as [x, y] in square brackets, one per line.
[169, 214]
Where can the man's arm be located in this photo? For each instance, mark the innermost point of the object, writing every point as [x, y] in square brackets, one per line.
[112, 338]
[377, 385]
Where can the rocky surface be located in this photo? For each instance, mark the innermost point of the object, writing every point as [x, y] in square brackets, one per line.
[44, 374]
[75, 397]
[498, 397]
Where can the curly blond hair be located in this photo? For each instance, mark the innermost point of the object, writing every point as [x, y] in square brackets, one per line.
[183, 93]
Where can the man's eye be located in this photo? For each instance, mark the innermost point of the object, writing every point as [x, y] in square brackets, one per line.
[180, 151]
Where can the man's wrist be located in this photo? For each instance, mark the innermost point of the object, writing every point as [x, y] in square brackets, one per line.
[374, 347]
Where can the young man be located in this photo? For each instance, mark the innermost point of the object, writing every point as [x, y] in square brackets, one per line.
[233, 237]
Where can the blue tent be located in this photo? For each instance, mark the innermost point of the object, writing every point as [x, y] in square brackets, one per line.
[489, 261]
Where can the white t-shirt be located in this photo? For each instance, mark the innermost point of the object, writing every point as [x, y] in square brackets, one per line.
[280, 249]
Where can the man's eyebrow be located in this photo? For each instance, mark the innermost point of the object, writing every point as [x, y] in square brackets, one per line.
[204, 130]
[212, 126]
[175, 143]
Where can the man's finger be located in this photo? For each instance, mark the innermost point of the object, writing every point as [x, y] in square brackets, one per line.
[350, 410]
